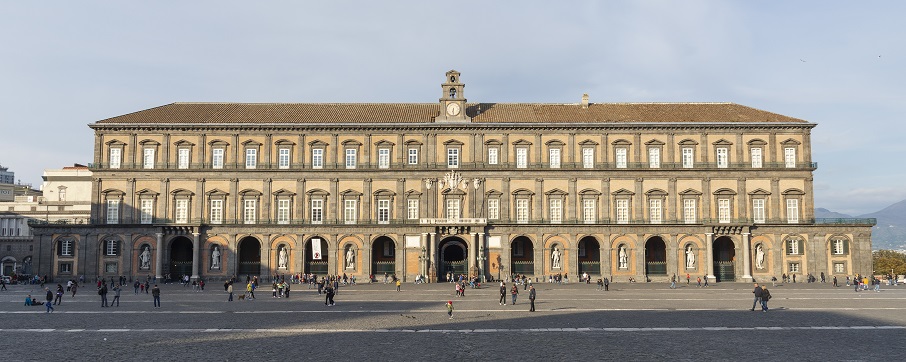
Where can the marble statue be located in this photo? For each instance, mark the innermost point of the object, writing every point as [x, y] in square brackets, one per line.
[145, 258]
[215, 258]
[555, 258]
[283, 258]
[690, 257]
[759, 257]
[624, 259]
[350, 258]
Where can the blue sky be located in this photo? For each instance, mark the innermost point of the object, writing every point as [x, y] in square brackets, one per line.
[65, 64]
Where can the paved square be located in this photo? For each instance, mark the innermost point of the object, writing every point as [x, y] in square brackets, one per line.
[369, 322]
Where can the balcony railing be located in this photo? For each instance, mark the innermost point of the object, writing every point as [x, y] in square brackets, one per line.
[570, 222]
[462, 166]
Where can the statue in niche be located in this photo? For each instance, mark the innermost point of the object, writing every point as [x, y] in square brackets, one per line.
[624, 259]
[215, 258]
[145, 258]
[759, 257]
[690, 257]
[282, 258]
[555, 258]
[350, 258]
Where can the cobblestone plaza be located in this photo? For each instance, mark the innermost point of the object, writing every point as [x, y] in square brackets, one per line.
[370, 322]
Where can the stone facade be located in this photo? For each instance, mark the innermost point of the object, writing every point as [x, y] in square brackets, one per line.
[613, 189]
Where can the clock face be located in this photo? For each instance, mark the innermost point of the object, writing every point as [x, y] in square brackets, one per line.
[453, 109]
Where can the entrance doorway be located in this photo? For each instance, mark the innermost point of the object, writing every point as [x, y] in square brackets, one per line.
[316, 264]
[656, 256]
[180, 257]
[724, 259]
[383, 257]
[453, 253]
[589, 256]
[522, 256]
[249, 257]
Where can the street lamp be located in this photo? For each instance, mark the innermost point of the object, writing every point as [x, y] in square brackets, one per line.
[499, 267]
[423, 258]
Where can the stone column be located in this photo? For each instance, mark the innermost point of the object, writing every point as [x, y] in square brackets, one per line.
[746, 258]
[196, 253]
[473, 262]
[673, 252]
[423, 244]
[432, 266]
[605, 258]
[158, 258]
[709, 256]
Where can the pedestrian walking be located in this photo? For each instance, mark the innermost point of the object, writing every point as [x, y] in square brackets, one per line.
[502, 293]
[835, 281]
[450, 308]
[706, 281]
[673, 282]
[328, 299]
[229, 289]
[155, 292]
[103, 293]
[688, 278]
[3, 284]
[49, 303]
[514, 292]
[75, 287]
[758, 295]
[531, 298]
[59, 296]
[398, 285]
[116, 295]
[765, 297]
[699, 282]
[606, 284]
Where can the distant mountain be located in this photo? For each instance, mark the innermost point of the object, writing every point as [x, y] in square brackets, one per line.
[890, 233]
[823, 213]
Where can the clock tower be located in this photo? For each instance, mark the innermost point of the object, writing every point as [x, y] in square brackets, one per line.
[452, 100]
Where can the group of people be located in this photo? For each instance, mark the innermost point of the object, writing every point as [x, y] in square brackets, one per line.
[514, 293]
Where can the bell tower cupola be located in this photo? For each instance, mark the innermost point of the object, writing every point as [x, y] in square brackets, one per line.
[452, 100]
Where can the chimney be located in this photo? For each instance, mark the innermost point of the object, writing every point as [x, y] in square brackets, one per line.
[585, 100]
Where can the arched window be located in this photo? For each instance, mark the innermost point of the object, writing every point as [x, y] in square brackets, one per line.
[452, 92]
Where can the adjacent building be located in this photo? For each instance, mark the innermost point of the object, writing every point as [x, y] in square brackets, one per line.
[641, 190]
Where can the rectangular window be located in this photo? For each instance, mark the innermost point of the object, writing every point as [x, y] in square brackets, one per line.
[217, 158]
[148, 159]
[621, 157]
[792, 247]
[588, 211]
[65, 268]
[453, 208]
[522, 211]
[66, 248]
[789, 157]
[283, 158]
[756, 157]
[146, 208]
[113, 211]
[493, 209]
[317, 158]
[116, 157]
[556, 211]
[522, 157]
[688, 157]
[622, 211]
[555, 158]
[349, 211]
[216, 211]
[723, 158]
[182, 158]
[249, 214]
[251, 158]
[182, 211]
[723, 210]
[758, 210]
[689, 212]
[412, 209]
[383, 158]
[383, 212]
[492, 156]
[413, 156]
[839, 268]
[654, 157]
[655, 211]
[110, 247]
[317, 211]
[837, 247]
[351, 158]
[453, 157]
[110, 268]
[792, 211]
[794, 267]
[283, 211]
[588, 157]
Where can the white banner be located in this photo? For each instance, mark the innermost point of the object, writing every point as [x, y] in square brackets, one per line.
[316, 249]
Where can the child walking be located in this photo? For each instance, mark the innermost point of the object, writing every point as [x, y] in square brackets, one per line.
[450, 308]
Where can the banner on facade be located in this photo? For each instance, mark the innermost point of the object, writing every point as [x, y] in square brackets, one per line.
[315, 249]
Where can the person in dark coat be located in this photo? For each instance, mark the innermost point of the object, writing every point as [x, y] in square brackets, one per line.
[502, 293]
[531, 298]
[765, 297]
[757, 293]
[103, 293]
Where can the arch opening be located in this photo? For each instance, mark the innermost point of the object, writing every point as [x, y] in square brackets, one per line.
[180, 257]
[383, 256]
[589, 256]
[453, 260]
[316, 262]
[522, 256]
[724, 259]
[656, 256]
[249, 257]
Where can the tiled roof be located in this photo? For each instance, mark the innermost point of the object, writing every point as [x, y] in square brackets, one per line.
[369, 113]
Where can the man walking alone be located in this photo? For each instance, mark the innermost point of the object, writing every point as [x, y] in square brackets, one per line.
[502, 293]
[758, 294]
[155, 292]
[531, 298]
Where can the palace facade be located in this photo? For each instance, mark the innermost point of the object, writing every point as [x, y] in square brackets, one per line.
[617, 190]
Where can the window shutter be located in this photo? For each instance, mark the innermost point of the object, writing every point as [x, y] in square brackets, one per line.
[845, 247]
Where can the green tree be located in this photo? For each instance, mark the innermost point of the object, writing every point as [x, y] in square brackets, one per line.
[886, 260]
